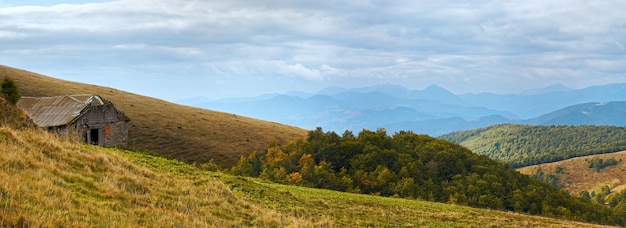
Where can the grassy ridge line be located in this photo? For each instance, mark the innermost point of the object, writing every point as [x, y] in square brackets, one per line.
[52, 182]
[185, 133]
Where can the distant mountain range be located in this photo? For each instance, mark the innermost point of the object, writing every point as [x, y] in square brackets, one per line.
[433, 110]
[530, 105]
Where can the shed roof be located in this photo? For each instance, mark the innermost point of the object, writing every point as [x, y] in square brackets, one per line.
[57, 111]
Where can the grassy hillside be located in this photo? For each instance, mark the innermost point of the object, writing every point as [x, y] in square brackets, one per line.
[50, 182]
[574, 175]
[523, 145]
[174, 131]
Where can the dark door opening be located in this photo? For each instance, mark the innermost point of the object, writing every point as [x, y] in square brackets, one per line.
[93, 136]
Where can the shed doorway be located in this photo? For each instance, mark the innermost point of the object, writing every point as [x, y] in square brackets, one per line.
[94, 136]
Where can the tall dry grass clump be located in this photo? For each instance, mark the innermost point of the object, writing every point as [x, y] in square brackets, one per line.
[12, 116]
[48, 181]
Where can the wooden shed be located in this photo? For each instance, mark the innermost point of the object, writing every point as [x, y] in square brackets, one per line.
[89, 118]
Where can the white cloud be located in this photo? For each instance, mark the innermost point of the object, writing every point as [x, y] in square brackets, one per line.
[412, 42]
[301, 71]
[11, 35]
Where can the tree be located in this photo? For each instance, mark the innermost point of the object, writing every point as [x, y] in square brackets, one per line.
[250, 166]
[306, 164]
[584, 195]
[9, 91]
[606, 190]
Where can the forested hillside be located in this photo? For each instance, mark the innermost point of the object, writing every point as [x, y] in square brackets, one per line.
[414, 166]
[524, 145]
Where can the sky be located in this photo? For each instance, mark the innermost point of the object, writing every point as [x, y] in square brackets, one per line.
[174, 50]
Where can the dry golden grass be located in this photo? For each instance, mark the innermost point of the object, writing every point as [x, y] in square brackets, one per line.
[185, 133]
[52, 182]
[12, 116]
[576, 175]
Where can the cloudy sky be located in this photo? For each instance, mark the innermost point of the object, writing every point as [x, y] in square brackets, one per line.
[231, 48]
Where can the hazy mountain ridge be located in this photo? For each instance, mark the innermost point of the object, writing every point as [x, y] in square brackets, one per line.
[536, 104]
[549, 89]
[433, 110]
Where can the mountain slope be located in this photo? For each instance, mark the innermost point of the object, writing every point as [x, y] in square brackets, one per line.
[189, 134]
[51, 182]
[523, 145]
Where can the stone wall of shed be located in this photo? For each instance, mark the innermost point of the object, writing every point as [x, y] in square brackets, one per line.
[111, 125]
[118, 135]
[68, 132]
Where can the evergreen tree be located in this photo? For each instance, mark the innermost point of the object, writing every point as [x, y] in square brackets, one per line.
[9, 91]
